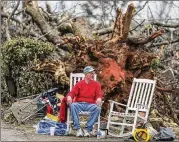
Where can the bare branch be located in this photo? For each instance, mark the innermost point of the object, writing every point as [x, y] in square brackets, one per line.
[165, 25]
[48, 7]
[137, 26]
[4, 15]
[34, 34]
[12, 13]
[103, 31]
[167, 90]
[146, 40]
[151, 13]
[8, 20]
[140, 9]
[165, 43]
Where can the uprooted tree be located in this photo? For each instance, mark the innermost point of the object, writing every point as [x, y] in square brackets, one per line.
[117, 58]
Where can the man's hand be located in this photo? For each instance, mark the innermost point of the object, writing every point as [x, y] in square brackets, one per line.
[99, 101]
[69, 100]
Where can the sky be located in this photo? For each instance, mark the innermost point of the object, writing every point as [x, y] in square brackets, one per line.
[153, 7]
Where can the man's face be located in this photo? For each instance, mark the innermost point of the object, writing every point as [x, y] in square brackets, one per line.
[90, 75]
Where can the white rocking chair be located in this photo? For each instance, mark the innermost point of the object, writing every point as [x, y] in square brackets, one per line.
[137, 109]
[74, 78]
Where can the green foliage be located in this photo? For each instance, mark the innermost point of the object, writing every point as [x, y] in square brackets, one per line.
[18, 56]
[155, 63]
[21, 50]
[96, 36]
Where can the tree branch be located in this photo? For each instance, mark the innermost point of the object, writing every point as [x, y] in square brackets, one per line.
[8, 20]
[127, 21]
[137, 26]
[103, 31]
[140, 9]
[51, 34]
[160, 89]
[151, 13]
[4, 15]
[165, 25]
[148, 39]
[165, 43]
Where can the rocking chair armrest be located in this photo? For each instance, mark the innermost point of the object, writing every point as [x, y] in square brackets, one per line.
[111, 101]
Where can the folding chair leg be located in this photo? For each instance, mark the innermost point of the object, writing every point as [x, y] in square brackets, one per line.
[32, 113]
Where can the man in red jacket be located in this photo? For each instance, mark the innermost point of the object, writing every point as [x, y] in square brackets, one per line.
[88, 97]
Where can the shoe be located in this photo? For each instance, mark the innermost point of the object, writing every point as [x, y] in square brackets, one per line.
[94, 132]
[79, 133]
[86, 133]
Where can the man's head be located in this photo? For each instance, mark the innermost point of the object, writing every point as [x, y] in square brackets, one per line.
[89, 72]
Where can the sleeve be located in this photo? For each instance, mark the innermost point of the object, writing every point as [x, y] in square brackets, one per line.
[99, 92]
[74, 92]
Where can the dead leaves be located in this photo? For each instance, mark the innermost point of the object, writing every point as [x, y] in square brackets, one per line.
[56, 67]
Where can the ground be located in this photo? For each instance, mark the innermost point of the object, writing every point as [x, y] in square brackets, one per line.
[26, 132]
[12, 132]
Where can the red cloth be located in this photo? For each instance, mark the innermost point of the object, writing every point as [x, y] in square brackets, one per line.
[63, 111]
[83, 92]
[49, 109]
[62, 115]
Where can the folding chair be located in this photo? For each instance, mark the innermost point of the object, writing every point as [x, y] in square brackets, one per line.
[74, 78]
[40, 102]
[137, 109]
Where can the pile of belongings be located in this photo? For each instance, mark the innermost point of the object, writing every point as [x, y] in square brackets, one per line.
[50, 98]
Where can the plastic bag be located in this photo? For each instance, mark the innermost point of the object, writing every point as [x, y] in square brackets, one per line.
[43, 127]
[165, 134]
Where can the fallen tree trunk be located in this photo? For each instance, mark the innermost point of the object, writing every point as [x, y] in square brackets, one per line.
[117, 60]
[114, 60]
[47, 31]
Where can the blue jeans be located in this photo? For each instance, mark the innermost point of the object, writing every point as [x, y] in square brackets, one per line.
[94, 110]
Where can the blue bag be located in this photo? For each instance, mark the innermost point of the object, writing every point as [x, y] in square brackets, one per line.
[43, 127]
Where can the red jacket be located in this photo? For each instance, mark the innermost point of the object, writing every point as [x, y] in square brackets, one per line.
[83, 92]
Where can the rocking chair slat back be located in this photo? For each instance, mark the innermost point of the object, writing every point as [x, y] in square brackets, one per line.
[142, 91]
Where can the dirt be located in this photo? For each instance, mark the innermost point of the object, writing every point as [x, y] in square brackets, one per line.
[11, 130]
[26, 132]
